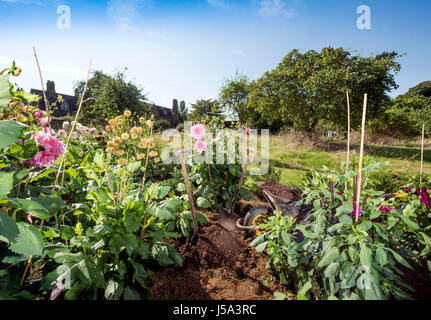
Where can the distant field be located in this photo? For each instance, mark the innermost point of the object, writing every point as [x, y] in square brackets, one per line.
[294, 158]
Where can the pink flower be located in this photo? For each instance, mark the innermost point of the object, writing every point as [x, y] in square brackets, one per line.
[38, 114]
[248, 130]
[353, 214]
[31, 215]
[198, 131]
[56, 291]
[52, 149]
[200, 146]
[44, 121]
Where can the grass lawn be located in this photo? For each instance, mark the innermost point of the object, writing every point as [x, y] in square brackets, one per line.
[294, 159]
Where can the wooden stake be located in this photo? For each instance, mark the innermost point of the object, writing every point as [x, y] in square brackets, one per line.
[361, 154]
[348, 135]
[422, 153]
[47, 107]
[146, 159]
[72, 128]
[189, 192]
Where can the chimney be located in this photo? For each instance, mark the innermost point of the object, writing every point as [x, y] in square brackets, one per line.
[50, 88]
[175, 114]
[76, 93]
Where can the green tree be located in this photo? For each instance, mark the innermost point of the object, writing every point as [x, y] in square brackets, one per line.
[233, 97]
[405, 114]
[110, 96]
[307, 88]
[203, 108]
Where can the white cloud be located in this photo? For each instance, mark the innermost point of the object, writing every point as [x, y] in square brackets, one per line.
[274, 8]
[7, 61]
[221, 4]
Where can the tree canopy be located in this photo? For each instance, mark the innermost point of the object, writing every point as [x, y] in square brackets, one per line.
[203, 108]
[308, 87]
[110, 96]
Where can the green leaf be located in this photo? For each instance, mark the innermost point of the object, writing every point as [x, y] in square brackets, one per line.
[162, 213]
[365, 226]
[365, 255]
[347, 207]
[10, 133]
[130, 242]
[381, 257]
[131, 294]
[279, 296]
[260, 247]
[6, 183]
[329, 257]
[203, 203]
[412, 225]
[30, 240]
[132, 223]
[346, 219]
[400, 259]
[353, 254]
[99, 160]
[113, 290]
[43, 207]
[133, 166]
[303, 291]
[163, 192]
[8, 228]
[5, 94]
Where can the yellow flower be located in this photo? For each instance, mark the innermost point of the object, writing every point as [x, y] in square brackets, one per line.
[120, 152]
[350, 180]
[109, 149]
[141, 119]
[134, 130]
[401, 195]
[127, 113]
[122, 161]
[151, 144]
[134, 136]
[118, 120]
[108, 128]
[141, 156]
[144, 143]
[112, 122]
[153, 154]
[125, 136]
[117, 141]
[132, 159]
[150, 123]
[140, 130]
[156, 160]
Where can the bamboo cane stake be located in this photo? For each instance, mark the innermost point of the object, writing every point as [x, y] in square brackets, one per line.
[422, 153]
[189, 192]
[348, 135]
[72, 128]
[47, 107]
[361, 154]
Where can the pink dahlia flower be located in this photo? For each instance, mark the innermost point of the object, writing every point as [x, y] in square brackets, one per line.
[198, 131]
[44, 121]
[200, 146]
[52, 149]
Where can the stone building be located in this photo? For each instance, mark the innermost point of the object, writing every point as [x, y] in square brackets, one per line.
[68, 106]
[163, 113]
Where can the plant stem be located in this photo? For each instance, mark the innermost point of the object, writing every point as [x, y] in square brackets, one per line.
[348, 136]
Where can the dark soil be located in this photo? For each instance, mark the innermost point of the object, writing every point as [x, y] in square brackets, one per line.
[219, 265]
[282, 191]
[419, 279]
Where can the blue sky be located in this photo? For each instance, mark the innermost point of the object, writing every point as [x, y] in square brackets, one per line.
[185, 49]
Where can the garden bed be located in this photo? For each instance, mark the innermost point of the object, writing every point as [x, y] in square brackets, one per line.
[219, 265]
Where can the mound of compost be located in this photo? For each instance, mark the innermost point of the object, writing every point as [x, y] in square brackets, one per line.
[282, 191]
[218, 265]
